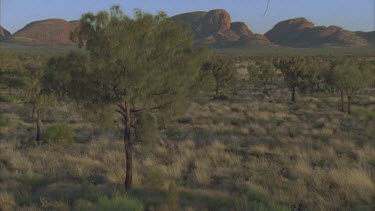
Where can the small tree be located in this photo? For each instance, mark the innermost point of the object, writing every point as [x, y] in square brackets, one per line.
[141, 64]
[223, 71]
[263, 71]
[35, 96]
[349, 78]
[295, 73]
[316, 70]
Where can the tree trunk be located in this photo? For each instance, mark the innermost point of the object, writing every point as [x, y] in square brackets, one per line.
[349, 102]
[294, 94]
[342, 101]
[217, 89]
[38, 126]
[128, 149]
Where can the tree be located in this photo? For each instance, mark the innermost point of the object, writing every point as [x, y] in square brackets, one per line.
[263, 71]
[223, 71]
[316, 69]
[295, 73]
[141, 64]
[350, 77]
[35, 96]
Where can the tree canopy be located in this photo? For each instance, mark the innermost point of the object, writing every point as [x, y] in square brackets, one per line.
[139, 64]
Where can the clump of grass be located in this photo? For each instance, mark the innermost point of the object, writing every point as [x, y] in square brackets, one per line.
[355, 184]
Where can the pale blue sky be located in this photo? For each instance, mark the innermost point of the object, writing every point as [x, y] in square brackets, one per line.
[350, 14]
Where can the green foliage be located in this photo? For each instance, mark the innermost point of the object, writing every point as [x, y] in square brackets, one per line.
[295, 71]
[34, 92]
[119, 203]
[350, 77]
[59, 134]
[262, 70]
[146, 130]
[154, 178]
[223, 70]
[150, 62]
[4, 120]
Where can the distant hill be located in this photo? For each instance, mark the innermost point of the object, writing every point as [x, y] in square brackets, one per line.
[4, 34]
[214, 28]
[369, 36]
[300, 32]
[46, 32]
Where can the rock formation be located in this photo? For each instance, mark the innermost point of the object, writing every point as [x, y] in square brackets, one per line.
[48, 32]
[4, 34]
[300, 32]
[214, 28]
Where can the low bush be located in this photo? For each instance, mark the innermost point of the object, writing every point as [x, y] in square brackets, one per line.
[119, 203]
[61, 134]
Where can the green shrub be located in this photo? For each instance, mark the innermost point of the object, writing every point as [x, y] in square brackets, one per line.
[154, 178]
[61, 133]
[119, 203]
[4, 121]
